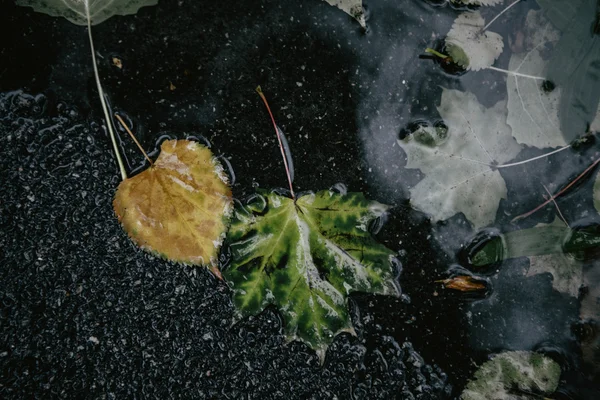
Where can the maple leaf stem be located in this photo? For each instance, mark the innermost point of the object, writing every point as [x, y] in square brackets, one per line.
[134, 139]
[539, 78]
[557, 194]
[285, 161]
[534, 158]
[102, 99]
[498, 16]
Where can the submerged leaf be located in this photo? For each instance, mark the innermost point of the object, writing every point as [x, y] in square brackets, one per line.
[512, 375]
[554, 88]
[589, 314]
[469, 46]
[581, 243]
[551, 248]
[596, 193]
[354, 8]
[76, 10]
[566, 271]
[575, 63]
[305, 257]
[595, 126]
[460, 173]
[178, 207]
[533, 103]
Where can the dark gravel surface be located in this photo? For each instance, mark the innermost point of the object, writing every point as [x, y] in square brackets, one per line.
[85, 314]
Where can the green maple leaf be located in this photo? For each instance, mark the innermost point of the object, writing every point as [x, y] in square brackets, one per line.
[305, 257]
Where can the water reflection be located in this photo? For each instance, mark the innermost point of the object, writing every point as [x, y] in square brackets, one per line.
[525, 308]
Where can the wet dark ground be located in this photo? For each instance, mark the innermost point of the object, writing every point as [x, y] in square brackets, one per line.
[85, 314]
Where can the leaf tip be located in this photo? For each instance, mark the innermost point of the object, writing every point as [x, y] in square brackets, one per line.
[216, 272]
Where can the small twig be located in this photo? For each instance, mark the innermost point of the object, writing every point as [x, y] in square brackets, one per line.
[285, 161]
[498, 16]
[134, 139]
[557, 194]
[557, 207]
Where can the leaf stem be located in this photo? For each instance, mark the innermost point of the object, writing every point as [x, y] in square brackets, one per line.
[435, 52]
[498, 16]
[557, 194]
[534, 158]
[517, 74]
[102, 99]
[134, 139]
[285, 161]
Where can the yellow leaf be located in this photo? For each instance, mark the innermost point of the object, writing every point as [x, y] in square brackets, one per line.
[179, 207]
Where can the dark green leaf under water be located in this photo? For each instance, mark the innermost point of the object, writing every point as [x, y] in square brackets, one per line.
[305, 257]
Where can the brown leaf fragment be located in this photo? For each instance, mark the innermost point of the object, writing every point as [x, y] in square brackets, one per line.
[464, 283]
[179, 207]
[117, 62]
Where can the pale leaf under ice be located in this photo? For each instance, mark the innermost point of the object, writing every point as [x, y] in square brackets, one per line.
[533, 108]
[567, 273]
[553, 82]
[470, 46]
[75, 10]
[459, 170]
[354, 8]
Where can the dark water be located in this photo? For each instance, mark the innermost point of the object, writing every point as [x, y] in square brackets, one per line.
[85, 314]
